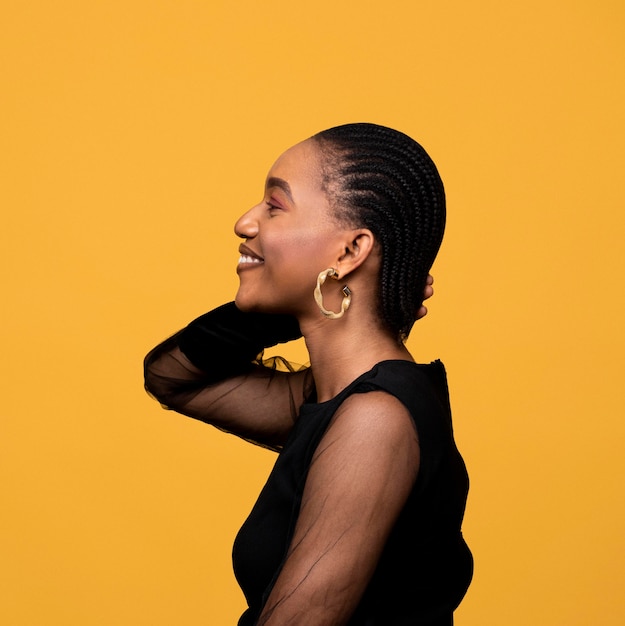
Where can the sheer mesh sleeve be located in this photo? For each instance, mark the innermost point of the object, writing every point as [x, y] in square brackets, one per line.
[225, 382]
[360, 477]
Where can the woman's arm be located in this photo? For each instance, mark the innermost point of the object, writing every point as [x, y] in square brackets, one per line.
[360, 477]
[209, 371]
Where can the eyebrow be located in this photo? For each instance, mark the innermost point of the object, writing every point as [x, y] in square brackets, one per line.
[273, 181]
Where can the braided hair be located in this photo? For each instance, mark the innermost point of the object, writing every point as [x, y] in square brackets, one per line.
[381, 179]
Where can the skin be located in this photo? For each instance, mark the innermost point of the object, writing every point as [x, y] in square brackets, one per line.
[371, 442]
[368, 459]
[297, 236]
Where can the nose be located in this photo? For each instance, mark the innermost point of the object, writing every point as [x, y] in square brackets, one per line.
[246, 226]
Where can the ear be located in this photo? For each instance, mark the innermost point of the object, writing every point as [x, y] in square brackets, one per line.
[357, 248]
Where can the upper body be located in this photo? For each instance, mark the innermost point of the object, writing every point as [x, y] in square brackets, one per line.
[424, 566]
[364, 468]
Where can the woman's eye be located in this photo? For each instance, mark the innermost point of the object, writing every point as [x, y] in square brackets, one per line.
[272, 208]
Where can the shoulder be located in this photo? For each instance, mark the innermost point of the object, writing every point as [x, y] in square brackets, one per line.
[370, 445]
[377, 411]
[373, 427]
[421, 388]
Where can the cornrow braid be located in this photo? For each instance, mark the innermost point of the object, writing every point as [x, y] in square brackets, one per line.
[381, 179]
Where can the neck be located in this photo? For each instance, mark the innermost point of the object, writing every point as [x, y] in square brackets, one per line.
[341, 350]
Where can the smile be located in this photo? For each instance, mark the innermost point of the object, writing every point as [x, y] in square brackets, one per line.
[246, 259]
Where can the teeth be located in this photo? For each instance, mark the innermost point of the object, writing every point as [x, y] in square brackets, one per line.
[244, 258]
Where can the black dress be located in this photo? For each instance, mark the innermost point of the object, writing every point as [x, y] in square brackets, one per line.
[426, 566]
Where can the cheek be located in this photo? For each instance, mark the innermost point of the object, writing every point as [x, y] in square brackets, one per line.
[294, 273]
[298, 251]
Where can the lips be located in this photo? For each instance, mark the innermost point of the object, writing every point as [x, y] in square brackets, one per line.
[248, 257]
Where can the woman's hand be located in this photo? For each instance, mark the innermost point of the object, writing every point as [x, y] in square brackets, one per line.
[428, 292]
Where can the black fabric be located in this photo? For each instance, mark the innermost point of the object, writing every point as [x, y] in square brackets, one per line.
[426, 566]
[225, 340]
[213, 371]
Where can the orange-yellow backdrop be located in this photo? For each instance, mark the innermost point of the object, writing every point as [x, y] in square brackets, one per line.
[134, 132]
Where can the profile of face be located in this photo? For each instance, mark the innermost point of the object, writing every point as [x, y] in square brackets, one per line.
[290, 236]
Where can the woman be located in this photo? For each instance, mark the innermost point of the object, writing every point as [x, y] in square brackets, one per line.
[359, 522]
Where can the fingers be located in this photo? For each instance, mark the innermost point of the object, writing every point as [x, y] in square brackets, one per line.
[422, 312]
[428, 292]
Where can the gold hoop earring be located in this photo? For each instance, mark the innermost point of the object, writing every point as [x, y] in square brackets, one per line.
[347, 295]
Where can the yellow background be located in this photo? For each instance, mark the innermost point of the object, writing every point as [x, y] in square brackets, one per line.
[132, 135]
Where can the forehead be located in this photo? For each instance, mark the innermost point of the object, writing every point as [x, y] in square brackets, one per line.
[299, 165]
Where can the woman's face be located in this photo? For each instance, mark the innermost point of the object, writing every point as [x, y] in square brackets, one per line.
[290, 236]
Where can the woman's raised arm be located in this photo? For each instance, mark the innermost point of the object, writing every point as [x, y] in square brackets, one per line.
[210, 371]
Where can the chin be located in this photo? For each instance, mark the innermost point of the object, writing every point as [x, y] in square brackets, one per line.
[248, 305]
[242, 304]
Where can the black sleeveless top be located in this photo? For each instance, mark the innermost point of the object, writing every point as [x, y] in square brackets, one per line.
[426, 566]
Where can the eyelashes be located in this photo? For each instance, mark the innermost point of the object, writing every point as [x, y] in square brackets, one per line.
[273, 206]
